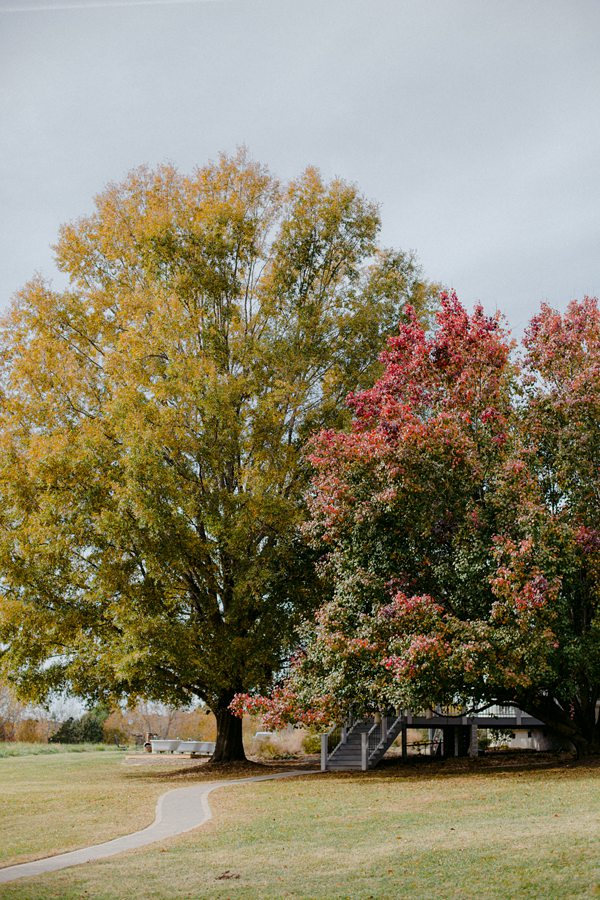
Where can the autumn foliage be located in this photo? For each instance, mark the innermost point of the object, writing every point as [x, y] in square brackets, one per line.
[459, 517]
[152, 422]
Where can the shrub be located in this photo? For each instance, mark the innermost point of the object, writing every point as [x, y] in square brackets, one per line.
[284, 745]
[311, 743]
[483, 741]
[88, 729]
[31, 731]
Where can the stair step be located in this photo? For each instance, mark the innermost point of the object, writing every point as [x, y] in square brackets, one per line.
[348, 755]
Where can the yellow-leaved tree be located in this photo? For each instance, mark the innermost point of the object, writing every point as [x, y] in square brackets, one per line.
[152, 419]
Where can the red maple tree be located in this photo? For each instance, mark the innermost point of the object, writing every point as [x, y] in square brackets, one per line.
[461, 521]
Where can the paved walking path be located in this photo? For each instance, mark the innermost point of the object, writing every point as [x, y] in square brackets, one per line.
[177, 811]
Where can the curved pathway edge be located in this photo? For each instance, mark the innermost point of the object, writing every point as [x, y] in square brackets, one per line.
[177, 811]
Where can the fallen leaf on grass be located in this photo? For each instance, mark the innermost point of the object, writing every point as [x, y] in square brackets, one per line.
[225, 875]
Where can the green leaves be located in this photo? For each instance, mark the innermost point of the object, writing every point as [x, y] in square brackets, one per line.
[153, 423]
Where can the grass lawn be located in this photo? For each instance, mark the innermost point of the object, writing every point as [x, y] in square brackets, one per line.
[67, 800]
[424, 831]
[18, 748]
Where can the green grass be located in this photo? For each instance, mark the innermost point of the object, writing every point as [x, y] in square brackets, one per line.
[18, 748]
[419, 832]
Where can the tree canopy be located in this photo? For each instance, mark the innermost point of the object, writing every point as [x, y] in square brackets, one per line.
[152, 419]
[461, 519]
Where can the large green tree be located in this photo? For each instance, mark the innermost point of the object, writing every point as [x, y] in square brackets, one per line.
[151, 424]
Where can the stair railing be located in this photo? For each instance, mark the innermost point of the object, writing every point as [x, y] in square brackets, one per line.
[437, 743]
[333, 738]
[329, 741]
[374, 741]
[370, 740]
[377, 740]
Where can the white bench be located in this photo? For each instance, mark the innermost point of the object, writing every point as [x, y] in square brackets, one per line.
[174, 745]
[164, 746]
[201, 748]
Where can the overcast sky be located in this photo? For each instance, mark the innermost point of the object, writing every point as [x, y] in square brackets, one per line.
[475, 125]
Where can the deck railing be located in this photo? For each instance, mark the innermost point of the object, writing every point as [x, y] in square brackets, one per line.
[502, 711]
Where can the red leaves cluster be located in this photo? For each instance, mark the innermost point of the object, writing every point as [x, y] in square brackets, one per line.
[461, 463]
[282, 708]
[447, 391]
[459, 370]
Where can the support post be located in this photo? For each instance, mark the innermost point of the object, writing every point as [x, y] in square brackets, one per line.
[324, 740]
[384, 728]
[404, 741]
[456, 731]
[473, 746]
[364, 745]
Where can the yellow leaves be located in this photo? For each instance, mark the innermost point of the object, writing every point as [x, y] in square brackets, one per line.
[11, 613]
[153, 418]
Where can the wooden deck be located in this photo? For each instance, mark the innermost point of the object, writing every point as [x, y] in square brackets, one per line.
[362, 743]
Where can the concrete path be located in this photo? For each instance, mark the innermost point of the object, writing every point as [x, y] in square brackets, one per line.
[177, 811]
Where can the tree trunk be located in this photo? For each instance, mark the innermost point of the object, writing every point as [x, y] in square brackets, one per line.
[229, 746]
[587, 744]
[583, 731]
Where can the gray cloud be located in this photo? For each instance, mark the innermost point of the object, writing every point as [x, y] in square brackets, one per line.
[474, 125]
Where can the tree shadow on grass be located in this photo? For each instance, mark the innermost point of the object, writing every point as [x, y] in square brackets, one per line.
[490, 765]
[205, 770]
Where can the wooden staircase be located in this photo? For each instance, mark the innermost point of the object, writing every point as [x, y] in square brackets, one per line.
[361, 743]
